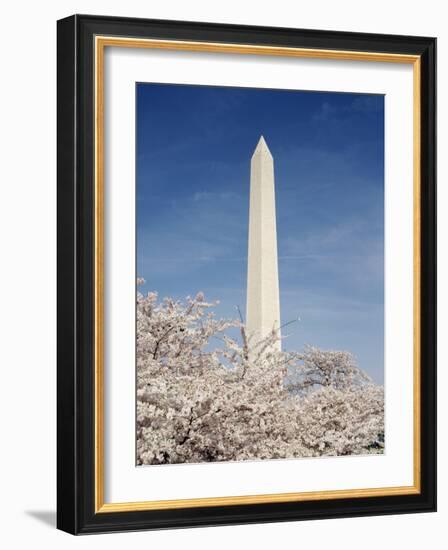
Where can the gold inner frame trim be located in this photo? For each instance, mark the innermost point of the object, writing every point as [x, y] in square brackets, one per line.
[101, 42]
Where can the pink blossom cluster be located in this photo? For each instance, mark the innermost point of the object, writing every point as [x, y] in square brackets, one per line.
[205, 396]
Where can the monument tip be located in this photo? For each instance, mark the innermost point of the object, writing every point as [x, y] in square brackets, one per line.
[262, 146]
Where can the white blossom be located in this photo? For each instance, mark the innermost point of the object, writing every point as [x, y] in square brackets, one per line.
[204, 396]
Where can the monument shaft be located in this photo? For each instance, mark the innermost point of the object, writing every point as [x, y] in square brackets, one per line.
[263, 302]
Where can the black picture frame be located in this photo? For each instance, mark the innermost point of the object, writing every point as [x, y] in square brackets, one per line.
[76, 512]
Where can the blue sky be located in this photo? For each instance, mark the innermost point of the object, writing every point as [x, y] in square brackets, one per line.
[194, 145]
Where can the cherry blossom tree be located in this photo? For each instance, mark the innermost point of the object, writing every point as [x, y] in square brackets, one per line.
[205, 396]
[329, 368]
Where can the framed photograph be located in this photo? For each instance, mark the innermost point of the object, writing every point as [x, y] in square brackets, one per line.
[246, 274]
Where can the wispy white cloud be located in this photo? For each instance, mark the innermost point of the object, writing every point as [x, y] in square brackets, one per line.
[324, 113]
[367, 103]
[214, 196]
[361, 104]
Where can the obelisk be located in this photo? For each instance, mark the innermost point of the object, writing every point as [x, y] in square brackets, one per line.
[263, 302]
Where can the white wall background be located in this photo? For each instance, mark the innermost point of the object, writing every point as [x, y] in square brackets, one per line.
[27, 272]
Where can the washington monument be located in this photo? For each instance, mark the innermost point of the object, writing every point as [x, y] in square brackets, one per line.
[263, 302]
